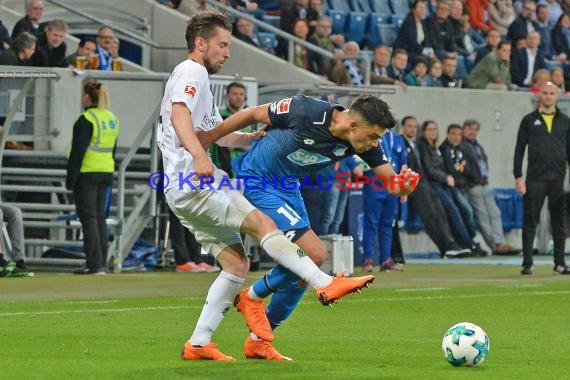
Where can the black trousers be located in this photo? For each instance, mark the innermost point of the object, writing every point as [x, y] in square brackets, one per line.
[426, 202]
[90, 193]
[184, 243]
[536, 192]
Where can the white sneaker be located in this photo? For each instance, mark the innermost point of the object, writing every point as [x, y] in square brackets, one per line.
[457, 253]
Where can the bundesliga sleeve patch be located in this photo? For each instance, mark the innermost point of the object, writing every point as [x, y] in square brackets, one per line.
[190, 90]
[281, 106]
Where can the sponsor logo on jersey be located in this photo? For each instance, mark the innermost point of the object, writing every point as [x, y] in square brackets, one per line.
[190, 89]
[339, 150]
[302, 157]
[309, 141]
[282, 106]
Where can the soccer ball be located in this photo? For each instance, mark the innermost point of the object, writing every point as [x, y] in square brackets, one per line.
[465, 344]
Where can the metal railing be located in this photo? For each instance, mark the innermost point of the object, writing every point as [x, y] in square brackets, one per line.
[148, 198]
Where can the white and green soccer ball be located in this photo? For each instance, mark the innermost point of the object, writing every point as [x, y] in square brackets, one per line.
[465, 344]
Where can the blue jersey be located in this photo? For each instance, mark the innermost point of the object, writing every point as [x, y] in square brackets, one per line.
[298, 143]
[395, 149]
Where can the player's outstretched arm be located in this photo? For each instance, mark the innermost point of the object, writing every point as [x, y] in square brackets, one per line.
[182, 123]
[234, 123]
[239, 139]
[400, 184]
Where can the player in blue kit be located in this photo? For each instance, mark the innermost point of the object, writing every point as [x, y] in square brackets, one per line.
[380, 209]
[303, 136]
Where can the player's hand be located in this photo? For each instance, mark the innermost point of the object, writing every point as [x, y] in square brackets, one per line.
[410, 180]
[203, 167]
[520, 185]
[450, 181]
[205, 138]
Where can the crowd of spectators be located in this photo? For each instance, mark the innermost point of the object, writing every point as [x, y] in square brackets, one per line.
[39, 43]
[435, 37]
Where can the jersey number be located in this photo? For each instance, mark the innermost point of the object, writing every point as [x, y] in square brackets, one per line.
[289, 213]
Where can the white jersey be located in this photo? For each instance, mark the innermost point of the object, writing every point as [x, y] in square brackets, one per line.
[188, 84]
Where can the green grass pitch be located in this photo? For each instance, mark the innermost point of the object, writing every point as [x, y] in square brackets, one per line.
[132, 326]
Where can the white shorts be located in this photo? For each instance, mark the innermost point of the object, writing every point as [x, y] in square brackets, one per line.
[214, 216]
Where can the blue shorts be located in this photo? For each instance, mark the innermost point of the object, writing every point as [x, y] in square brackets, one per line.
[286, 208]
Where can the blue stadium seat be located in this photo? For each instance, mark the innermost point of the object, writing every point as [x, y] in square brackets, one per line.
[510, 204]
[374, 20]
[381, 6]
[338, 20]
[388, 33]
[361, 6]
[268, 5]
[268, 41]
[400, 7]
[272, 20]
[339, 5]
[518, 210]
[356, 26]
[397, 21]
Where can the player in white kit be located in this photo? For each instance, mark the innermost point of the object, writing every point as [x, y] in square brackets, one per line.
[217, 216]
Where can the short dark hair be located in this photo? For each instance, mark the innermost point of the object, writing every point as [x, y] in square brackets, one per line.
[453, 126]
[374, 110]
[204, 25]
[471, 122]
[406, 118]
[86, 39]
[502, 43]
[395, 52]
[234, 84]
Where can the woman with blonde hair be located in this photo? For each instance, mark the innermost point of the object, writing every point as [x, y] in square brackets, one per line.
[90, 170]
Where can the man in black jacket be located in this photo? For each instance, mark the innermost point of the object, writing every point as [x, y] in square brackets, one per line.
[426, 202]
[31, 21]
[441, 31]
[50, 48]
[479, 194]
[545, 132]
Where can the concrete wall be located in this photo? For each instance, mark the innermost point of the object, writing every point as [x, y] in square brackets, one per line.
[132, 102]
[499, 113]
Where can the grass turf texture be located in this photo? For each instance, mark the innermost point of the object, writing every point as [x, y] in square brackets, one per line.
[132, 326]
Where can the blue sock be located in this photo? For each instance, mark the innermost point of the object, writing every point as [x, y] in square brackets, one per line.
[275, 279]
[282, 304]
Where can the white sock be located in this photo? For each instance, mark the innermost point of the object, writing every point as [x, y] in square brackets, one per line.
[251, 294]
[254, 337]
[289, 255]
[218, 301]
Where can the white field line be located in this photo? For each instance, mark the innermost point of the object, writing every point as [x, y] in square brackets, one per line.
[352, 300]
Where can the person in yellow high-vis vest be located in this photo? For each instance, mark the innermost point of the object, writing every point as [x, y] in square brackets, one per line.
[90, 170]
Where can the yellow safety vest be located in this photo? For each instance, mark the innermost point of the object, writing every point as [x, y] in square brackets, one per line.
[99, 155]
